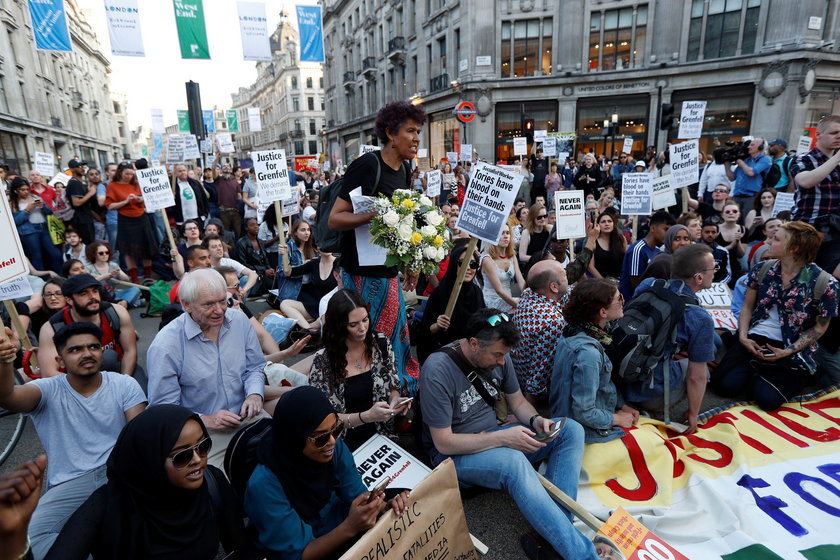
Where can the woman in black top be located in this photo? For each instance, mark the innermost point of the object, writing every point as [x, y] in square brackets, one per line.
[610, 247]
[589, 176]
[534, 234]
[304, 309]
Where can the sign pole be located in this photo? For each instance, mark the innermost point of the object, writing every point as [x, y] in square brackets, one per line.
[635, 229]
[462, 272]
[685, 200]
[167, 228]
[21, 332]
[278, 211]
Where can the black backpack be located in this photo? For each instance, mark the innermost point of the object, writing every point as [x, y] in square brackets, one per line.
[774, 174]
[241, 454]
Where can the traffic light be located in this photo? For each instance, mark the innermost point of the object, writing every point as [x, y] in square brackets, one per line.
[194, 109]
[528, 127]
[666, 117]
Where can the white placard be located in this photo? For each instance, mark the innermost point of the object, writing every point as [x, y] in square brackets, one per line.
[191, 150]
[272, 175]
[206, 146]
[487, 202]
[155, 163]
[291, 205]
[225, 142]
[433, 182]
[718, 296]
[254, 31]
[367, 148]
[155, 187]
[380, 458]
[784, 203]
[627, 148]
[685, 163]
[254, 122]
[663, 193]
[422, 152]
[562, 157]
[549, 147]
[466, 152]
[484, 61]
[804, 145]
[691, 119]
[174, 148]
[45, 164]
[520, 146]
[157, 121]
[14, 289]
[570, 212]
[540, 135]
[814, 23]
[452, 158]
[370, 254]
[636, 194]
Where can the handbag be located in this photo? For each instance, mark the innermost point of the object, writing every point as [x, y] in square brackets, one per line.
[474, 376]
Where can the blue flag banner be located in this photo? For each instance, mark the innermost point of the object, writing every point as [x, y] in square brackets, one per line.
[311, 32]
[209, 122]
[49, 23]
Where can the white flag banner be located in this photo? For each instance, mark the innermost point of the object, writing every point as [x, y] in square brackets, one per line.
[254, 30]
[157, 121]
[124, 27]
[254, 122]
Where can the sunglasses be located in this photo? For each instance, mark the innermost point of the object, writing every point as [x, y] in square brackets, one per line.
[722, 190]
[473, 264]
[497, 319]
[103, 252]
[323, 439]
[731, 211]
[541, 217]
[182, 458]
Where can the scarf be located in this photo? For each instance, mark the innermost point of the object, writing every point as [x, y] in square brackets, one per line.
[590, 329]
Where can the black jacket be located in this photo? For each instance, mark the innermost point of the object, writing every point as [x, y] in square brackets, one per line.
[200, 198]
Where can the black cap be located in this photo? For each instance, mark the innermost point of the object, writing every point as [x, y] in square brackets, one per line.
[76, 163]
[76, 284]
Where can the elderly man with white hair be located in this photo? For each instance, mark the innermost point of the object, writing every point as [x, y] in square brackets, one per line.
[209, 360]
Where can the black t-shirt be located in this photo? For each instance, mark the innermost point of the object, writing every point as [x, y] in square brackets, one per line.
[77, 189]
[539, 167]
[362, 173]
[707, 210]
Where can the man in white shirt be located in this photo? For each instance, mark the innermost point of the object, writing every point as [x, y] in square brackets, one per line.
[216, 247]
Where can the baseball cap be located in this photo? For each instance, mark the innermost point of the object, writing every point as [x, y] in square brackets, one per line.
[76, 284]
[778, 142]
[641, 164]
[75, 163]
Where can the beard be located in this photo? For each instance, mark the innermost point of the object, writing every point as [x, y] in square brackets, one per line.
[86, 311]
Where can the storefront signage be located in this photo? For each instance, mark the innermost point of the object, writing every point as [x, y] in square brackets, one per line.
[484, 61]
[614, 87]
[487, 202]
[465, 111]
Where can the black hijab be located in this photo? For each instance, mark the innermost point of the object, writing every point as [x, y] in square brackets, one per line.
[146, 516]
[307, 484]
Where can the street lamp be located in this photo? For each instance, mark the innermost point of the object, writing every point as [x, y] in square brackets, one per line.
[613, 132]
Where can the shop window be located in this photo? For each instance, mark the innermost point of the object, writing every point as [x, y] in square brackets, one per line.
[525, 50]
[631, 120]
[716, 25]
[617, 38]
[727, 116]
[509, 121]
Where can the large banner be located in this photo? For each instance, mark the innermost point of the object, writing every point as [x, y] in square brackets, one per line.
[254, 31]
[124, 27]
[254, 122]
[49, 24]
[748, 485]
[192, 35]
[311, 33]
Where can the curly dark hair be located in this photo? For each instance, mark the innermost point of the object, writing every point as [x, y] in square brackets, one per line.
[587, 299]
[335, 333]
[395, 114]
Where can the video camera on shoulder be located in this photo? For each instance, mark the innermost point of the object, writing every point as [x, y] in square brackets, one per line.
[735, 151]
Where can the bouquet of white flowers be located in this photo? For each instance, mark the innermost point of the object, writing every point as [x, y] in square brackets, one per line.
[412, 230]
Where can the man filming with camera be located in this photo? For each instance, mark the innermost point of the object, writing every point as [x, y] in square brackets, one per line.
[748, 173]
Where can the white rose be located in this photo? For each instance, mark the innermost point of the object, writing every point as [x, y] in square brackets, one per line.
[428, 230]
[425, 200]
[441, 254]
[391, 218]
[433, 218]
[404, 231]
[430, 253]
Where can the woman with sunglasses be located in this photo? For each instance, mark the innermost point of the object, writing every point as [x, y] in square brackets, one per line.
[437, 329]
[305, 497]
[501, 270]
[355, 369]
[159, 501]
[730, 233]
[534, 234]
[105, 270]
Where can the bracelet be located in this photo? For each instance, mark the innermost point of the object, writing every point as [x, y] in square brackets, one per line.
[531, 421]
[362, 420]
[25, 550]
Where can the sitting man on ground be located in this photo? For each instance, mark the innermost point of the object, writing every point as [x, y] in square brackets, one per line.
[77, 416]
[459, 423]
[214, 244]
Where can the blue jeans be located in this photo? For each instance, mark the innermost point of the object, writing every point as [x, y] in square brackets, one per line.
[507, 469]
[39, 247]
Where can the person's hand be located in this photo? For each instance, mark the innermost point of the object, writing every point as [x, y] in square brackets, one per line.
[222, 420]
[293, 350]
[269, 272]
[252, 406]
[752, 346]
[410, 281]
[243, 295]
[778, 353]
[623, 419]
[282, 250]
[19, 493]
[362, 514]
[399, 503]
[8, 351]
[92, 189]
[519, 438]
[379, 412]
[692, 425]
[737, 236]
[396, 408]
[31, 206]
[632, 411]
[757, 221]
[442, 322]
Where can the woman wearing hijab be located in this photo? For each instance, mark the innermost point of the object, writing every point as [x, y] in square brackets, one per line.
[436, 328]
[660, 266]
[305, 497]
[159, 501]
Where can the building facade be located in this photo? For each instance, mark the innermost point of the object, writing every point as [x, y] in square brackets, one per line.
[290, 96]
[57, 102]
[766, 68]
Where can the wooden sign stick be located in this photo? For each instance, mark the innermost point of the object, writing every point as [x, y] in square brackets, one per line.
[462, 272]
[278, 211]
[21, 332]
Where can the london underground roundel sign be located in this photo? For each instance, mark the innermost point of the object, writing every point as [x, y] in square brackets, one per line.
[465, 111]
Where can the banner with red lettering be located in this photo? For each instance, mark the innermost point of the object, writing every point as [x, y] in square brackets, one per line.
[748, 485]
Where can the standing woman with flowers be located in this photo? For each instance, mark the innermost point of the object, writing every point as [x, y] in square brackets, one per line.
[397, 126]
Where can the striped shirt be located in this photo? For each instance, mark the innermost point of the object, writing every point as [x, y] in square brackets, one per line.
[820, 200]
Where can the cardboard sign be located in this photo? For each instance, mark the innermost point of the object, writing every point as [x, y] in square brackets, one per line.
[636, 194]
[191, 150]
[540, 135]
[466, 152]
[663, 193]
[45, 164]
[174, 148]
[784, 202]
[804, 145]
[434, 179]
[365, 148]
[549, 147]
[691, 119]
[17, 288]
[225, 142]
[291, 206]
[570, 211]
[520, 146]
[487, 202]
[433, 526]
[272, 175]
[157, 121]
[627, 147]
[155, 187]
[685, 163]
[452, 157]
[380, 458]
[624, 537]
[717, 301]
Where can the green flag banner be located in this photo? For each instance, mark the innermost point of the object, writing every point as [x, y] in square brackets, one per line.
[192, 35]
[232, 120]
[183, 121]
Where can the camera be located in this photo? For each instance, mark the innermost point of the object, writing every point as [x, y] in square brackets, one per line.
[735, 151]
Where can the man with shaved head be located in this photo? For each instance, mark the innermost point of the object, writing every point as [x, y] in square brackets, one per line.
[539, 318]
[190, 198]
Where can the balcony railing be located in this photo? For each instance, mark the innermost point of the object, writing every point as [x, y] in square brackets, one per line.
[439, 83]
[297, 133]
[396, 44]
[349, 77]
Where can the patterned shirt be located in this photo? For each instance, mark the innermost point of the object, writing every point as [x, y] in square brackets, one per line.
[820, 200]
[796, 305]
[540, 322]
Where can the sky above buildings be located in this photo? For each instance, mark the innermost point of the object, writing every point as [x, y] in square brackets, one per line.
[156, 81]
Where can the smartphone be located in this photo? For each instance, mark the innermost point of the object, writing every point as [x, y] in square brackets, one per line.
[377, 489]
[555, 429]
[767, 352]
[592, 216]
[404, 402]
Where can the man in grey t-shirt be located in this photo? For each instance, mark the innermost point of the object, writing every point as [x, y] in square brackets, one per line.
[78, 417]
[459, 423]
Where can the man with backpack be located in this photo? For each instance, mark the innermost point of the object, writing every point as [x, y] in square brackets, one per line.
[667, 320]
[778, 176]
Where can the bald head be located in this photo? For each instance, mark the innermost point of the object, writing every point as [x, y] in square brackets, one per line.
[181, 172]
[548, 278]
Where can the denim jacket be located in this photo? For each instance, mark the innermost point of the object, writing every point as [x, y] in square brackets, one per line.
[288, 287]
[581, 387]
[25, 227]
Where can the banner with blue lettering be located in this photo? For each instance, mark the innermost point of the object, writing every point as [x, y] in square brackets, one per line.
[311, 33]
[209, 122]
[49, 23]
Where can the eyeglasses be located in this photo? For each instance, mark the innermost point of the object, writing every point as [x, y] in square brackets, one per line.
[93, 347]
[722, 190]
[103, 252]
[52, 294]
[620, 299]
[731, 211]
[182, 458]
[541, 216]
[716, 268]
[495, 320]
[323, 439]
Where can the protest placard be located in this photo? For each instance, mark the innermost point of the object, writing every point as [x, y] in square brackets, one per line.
[540, 135]
[423, 163]
[17, 288]
[174, 148]
[562, 157]
[206, 146]
[155, 187]
[433, 182]
[691, 119]
[804, 145]
[570, 212]
[636, 194]
[663, 193]
[549, 147]
[225, 142]
[624, 537]
[487, 202]
[365, 148]
[380, 458]
[157, 121]
[272, 175]
[45, 164]
[12, 258]
[784, 203]
[685, 163]
[466, 152]
[717, 301]
[452, 158]
[291, 205]
[565, 141]
[191, 150]
[627, 147]
[520, 146]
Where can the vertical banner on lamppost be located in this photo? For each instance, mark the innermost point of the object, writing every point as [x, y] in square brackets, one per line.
[192, 35]
[157, 121]
[232, 120]
[311, 32]
[254, 31]
[254, 122]
[49, 25]
[208, 120]
[183, 121]
[124, 27]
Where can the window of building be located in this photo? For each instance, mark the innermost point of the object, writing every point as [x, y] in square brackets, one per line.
[457, 47]
[298, 125]
[442, 52]
[4, 101]
[824, 100]
[309, 82]
[509, 123]
[294, 82]
[321, 82]
[311, 126]
[526, 51]
[617, 38]
[716, 26]
[632, 116]
[727, 116]
[310, 103]
[299, 147]
[295, 104]
[313, 147]
[322, 103]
